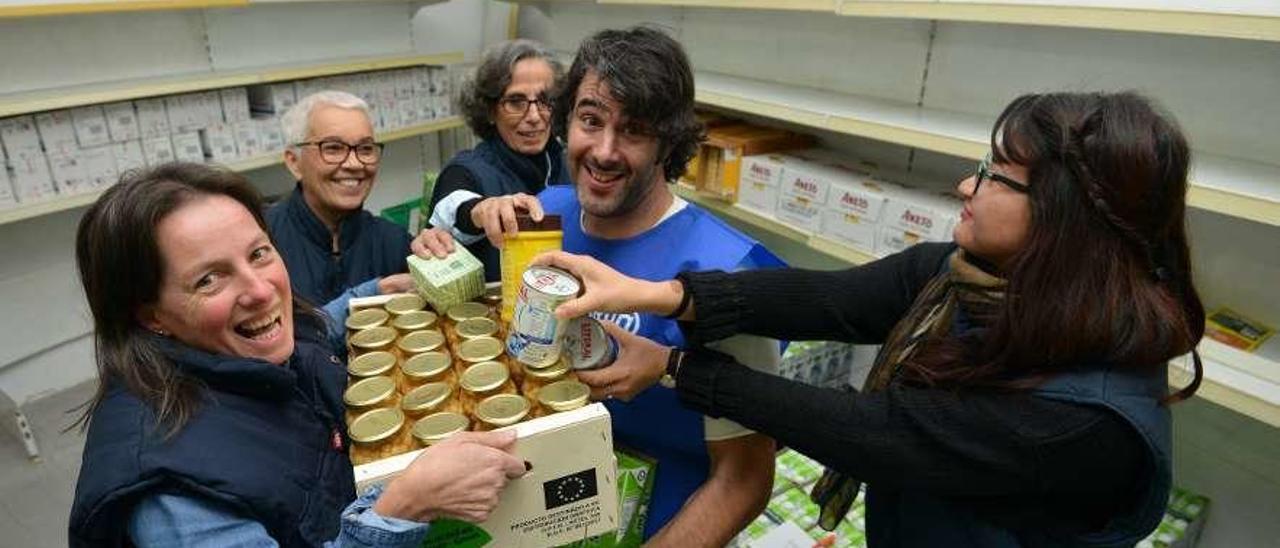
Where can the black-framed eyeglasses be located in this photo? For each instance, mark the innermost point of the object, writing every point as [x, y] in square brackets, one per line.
[518, 105]
[337, 152]
[984, 173]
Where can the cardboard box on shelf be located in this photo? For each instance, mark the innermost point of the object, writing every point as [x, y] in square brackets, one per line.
[270, 135]
[19, 135]
[440, 81]
[929, 214]
[186, 112]
[57, 132]
[425, 105]
[407, 110]
[91, 126]
[32, 181]
[69, 175]
[799, 212]
[210, 104]
[864, 197]
[570, 493]
[891, 239]
[849, 229]
[157, 150]
[128, 156]
[758, 184]
[248, 141]
[272, 98]
[234, 103]
[721, 155]
[122, 121]
[153, 119]
[421, 80]
[1235, 330]
[7, 197]
[186, 147]
[443, 107]
[219, 142]
[100, 166]
[403, 81]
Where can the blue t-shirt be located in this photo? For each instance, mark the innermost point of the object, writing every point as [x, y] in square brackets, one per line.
[654, 422]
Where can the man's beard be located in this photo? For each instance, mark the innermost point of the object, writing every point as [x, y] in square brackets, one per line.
[634, 191]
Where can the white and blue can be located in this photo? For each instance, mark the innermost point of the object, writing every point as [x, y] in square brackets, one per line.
[536, 335]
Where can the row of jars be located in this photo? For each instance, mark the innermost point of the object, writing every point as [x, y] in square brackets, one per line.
[407, 391]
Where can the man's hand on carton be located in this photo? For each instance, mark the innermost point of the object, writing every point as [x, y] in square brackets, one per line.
[432, 242]
[461, 477]
[497, 215]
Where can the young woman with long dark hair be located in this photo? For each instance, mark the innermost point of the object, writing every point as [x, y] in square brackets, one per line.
[1020, 396]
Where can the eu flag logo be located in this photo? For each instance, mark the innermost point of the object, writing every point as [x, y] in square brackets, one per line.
[568, 489]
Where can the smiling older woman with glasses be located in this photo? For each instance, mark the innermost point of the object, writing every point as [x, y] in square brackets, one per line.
[1020, 394]
[507, 104]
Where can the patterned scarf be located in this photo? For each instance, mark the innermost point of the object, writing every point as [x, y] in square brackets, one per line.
[962, 286]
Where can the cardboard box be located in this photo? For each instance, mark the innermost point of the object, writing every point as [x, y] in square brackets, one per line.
[849, 229]
[426, 105]
[91, 126]
[32, 181]
[157, 150]
[271, 98]
[248, 142]
[128, 156]
[100, 166]
[799, 212]
[408, 111]
[210, 105]
[928, 214]
[570, 493]
[441, 86]
[866, 198]
[69, 175]
[443, 107]
[219, 142]
[421, 80]
[758, 183]
[1236, 330]
[7, 197]
[19, 135]
[186, 147]
[721, 163]
[270, 135]
[891, 239]
[57, 132]
[122, 121]
[235, 104]
[153, 119]
[186, 112]
[403, 82]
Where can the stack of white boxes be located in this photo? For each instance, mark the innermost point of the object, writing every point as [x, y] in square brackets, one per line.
[85, 149]
[817, 195]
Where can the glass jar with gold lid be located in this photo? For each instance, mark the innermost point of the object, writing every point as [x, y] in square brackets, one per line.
[369, 340]
[501, 410]
[469, 309]
[370, 393]
[366, 318]
[378, 434]
[418, 342]
[433, 366]
[418, 320]
[371, 364]
[483, 380]
[429, 398]
[537, 377]
[434, 428]
[562, 396]
[477, 350]
[404, 304]
[472, 328]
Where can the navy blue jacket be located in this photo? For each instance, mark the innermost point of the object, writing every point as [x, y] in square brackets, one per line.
[268, 441]
[369, 248]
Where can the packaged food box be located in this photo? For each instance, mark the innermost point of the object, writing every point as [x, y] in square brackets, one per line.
[794, 506]
[1235, 330]
[720, 166]
[797, 468]
[849, 229]
[457, 278]
[930, 215]
[758, 183]
[799, 212]
[635, 489]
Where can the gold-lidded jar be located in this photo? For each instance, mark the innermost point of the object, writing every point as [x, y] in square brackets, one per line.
[492, 295]
[378, 434]
[436, 427]
[483, 380]
[404, 304]
[477, 350]
[429, 398]
[375, 338]
[370, 393]
[470, 309]
[418, 342]
[433, 366]
[417, 320]
[371, 364]
[366, 318]
[473, 328]
[535, 378]
[561, 396]
[501, 410]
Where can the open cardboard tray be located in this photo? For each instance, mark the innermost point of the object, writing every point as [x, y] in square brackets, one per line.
[569, 494]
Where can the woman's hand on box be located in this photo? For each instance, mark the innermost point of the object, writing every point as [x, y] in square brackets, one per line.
[639, 365]
[497, 215]
[461, 478]
[432, 242]
[607, 290]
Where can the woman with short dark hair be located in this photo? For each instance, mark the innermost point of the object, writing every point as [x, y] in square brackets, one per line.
[1020, 395]
[218, 419]
[507, 103]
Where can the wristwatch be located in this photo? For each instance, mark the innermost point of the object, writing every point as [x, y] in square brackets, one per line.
[674, 360]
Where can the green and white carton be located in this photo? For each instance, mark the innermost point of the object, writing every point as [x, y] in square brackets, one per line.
[457, 278]
[635, 488]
